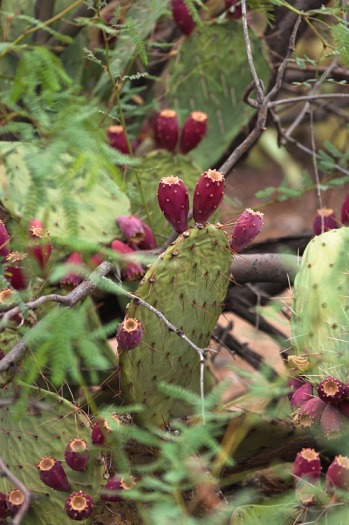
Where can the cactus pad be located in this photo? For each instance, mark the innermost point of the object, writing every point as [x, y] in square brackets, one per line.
[320, 318]
[187, 284]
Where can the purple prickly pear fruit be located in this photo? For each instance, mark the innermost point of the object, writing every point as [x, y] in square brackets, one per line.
[149, 242]
[346, 392]
[78, 506]
[337, 475]
[76, 454]
[182, 16]
[14, 272]
[99, 431]
[344, 408]
[208, 195]
[14, 500]
[345, 211]
[301, 395]
[42, 251]
[331, 421]
[131, 270]
[72, 278]
[193, 131]
[117, 139]
[310, 412]
[174, 202]
[293, 383]
[307, 464]
[166, 129]
[52, 474]
[4, 510]
[129, 334]
[331, 390]
[233, 8]
[329, 220]
[246, 229]
[131, 228]
[4, 242]
[114, 488]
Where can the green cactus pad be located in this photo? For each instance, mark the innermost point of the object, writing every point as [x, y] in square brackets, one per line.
[320, 310]
[187, 284]
[210, 73]
[154, 166]
[105, 196]
[48, 423]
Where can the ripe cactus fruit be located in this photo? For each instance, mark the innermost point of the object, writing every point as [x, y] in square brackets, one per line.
[4, 242]
[310, 412]
[246, 229]
[166, 129]
[99, 430]
[174, 202]
[117, 139]
[14, 270]
[76, 454]
[331, 421]
[72, 278]
[4, 510]
[14, 500]
[337, 475]
[208, 195]
[149, 242]
[307, 464]
[41, 251]
[233, 8]
[131, 228]
[52, 474]
[301, 395]
[331, 390]
[129, 334]
[113, 489]
[193, 131]
[182, 16]
[345, 211]
[327, 218]
[78, 506]
[319, 319]
[188, 283]
[131, 270]
[293, 383]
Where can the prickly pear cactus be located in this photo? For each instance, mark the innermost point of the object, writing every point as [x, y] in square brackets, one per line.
[214, 60]
[320, 310]
[188, 284]
[44, 429]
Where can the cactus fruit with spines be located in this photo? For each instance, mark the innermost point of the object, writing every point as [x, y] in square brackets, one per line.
[320, 310]
[188, 284]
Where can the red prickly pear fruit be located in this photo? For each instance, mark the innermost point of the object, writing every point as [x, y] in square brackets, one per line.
[99, 431]
[337, 475]
[14, 500]
[346, 392]
[14, 272]
[76, 454]
[293, 383]
[331, 390]
[96, 260]
[310, 412]
[193, 131]
[78, 506]
[182, 16]
[208, 195]
[42, 251]
[131, 228]
[329, 220]
[72, 278]
[129, 334]
[331, 421]
[4, 242]
[131, 270]
[345, 211]
[114, 488]
[307, 464]
[233, 8]
[52, 474]
[301, 395]
[149, 242]
[117, 139]
[246, 229]
[166, 129]
[344, 408]
[174, 202]
[4, 510]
